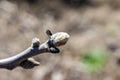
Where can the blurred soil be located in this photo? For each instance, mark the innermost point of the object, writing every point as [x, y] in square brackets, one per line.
[90, 23]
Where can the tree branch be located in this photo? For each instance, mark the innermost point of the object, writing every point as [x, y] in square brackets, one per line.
[24, 60]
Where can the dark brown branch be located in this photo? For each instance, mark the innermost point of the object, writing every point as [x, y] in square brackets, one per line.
[23, 59]
[12, 62]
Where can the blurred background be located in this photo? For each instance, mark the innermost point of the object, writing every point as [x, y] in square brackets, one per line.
[92, 52]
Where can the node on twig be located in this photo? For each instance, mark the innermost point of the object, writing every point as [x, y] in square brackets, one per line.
[35, 42]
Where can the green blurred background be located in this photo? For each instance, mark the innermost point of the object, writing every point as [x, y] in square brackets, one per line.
[92, 52]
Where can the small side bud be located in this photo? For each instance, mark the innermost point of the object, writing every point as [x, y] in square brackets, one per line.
[54, 50]
[29, 63]
[35, 42]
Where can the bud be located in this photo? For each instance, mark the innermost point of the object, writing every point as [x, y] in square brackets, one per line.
[60, 38]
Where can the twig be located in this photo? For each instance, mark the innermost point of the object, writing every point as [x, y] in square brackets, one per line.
[24, 60]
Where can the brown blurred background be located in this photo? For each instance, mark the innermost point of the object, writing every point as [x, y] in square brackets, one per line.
[90, 23]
